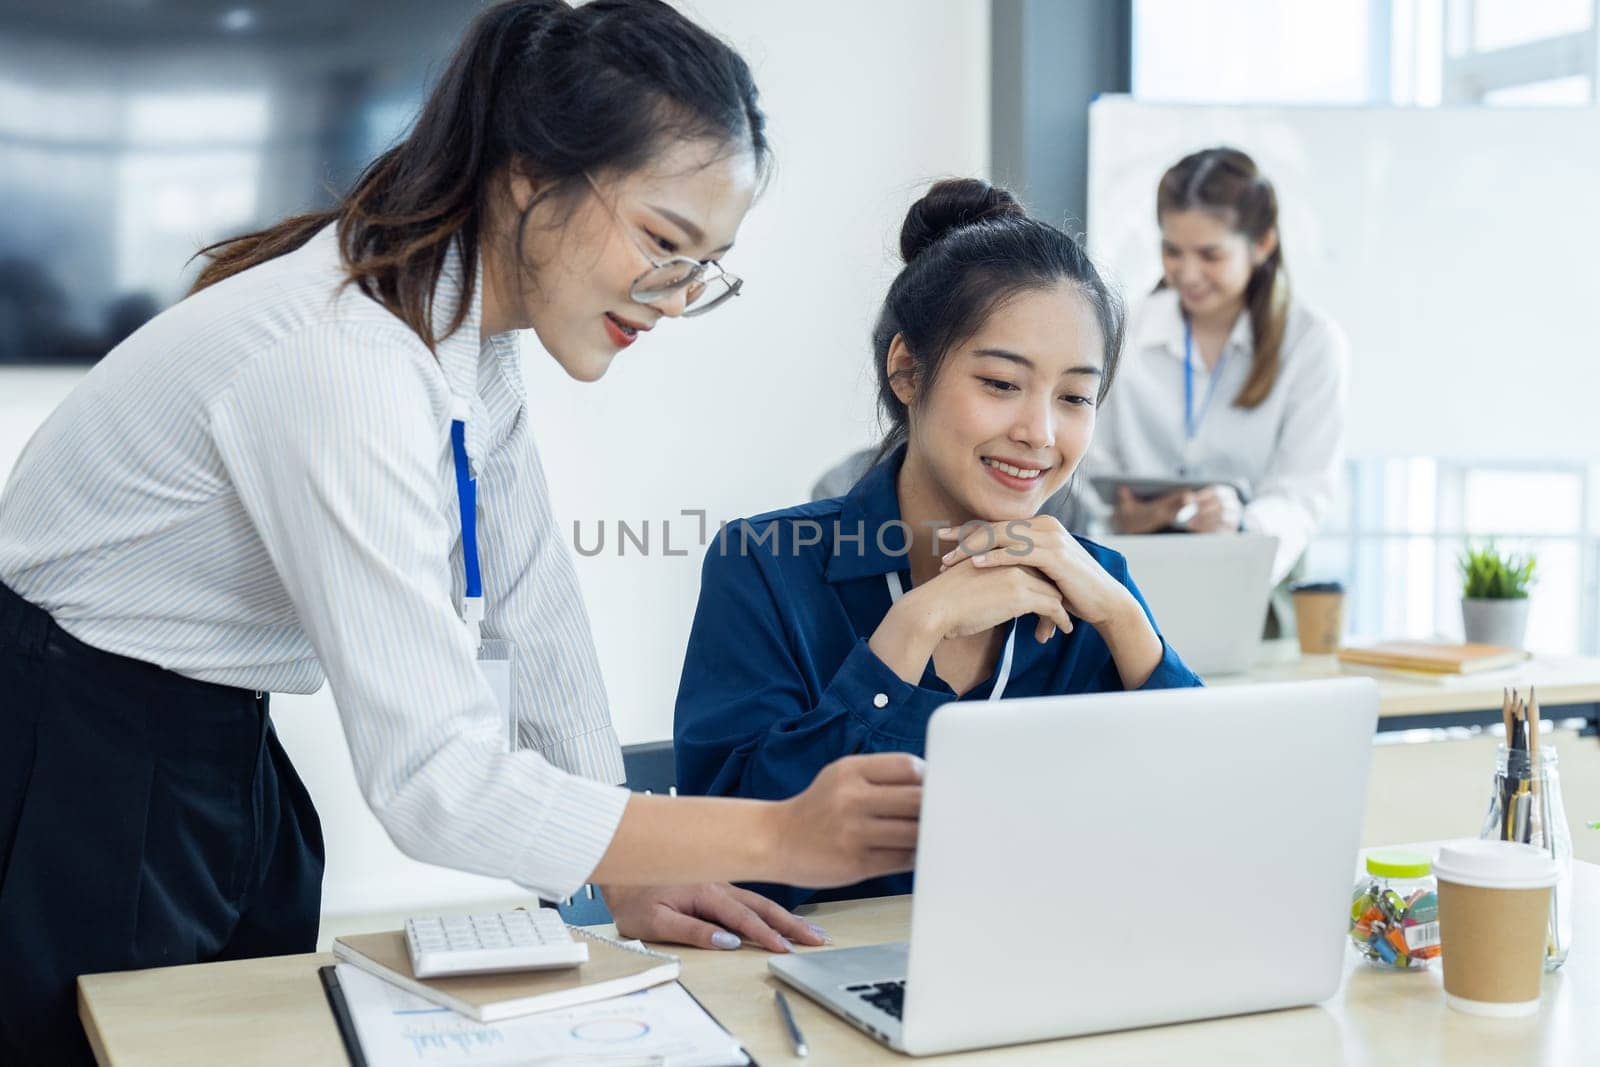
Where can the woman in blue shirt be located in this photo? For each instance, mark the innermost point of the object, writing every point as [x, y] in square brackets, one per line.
[839, 626]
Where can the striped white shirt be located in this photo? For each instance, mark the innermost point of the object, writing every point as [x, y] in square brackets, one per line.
[257, 489]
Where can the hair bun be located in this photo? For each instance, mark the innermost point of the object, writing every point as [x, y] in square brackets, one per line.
[950, 205]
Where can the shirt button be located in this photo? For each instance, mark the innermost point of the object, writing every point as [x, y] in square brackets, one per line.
[881, 700]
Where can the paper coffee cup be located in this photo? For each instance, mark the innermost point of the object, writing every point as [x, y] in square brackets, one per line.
[1494, 910]
[1319, 621]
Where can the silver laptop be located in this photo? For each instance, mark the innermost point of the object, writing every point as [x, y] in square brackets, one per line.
[1208, 593]
[1110, 861]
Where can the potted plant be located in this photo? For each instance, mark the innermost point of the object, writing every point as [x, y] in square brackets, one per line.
[1494, 595]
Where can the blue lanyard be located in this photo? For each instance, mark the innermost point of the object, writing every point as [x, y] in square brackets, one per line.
[467, 495]
[1002, 676]
[1191, 422]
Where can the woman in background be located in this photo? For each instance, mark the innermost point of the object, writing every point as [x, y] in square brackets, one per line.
[1229, 377]
[838, 627]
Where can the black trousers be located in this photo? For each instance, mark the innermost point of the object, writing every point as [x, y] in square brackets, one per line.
[146, 820]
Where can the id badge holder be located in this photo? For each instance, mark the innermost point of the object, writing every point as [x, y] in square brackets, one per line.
[496, 660]
[494, 655]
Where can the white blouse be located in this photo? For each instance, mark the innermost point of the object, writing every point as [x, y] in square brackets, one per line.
[257, 489]
[1286, 452]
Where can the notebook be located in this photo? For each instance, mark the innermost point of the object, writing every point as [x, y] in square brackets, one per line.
[612, 970]
[1429, 657]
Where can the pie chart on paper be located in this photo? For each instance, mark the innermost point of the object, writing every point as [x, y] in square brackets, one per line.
[611, 1031]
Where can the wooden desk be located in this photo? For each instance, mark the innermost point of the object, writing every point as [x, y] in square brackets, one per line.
[273, 1012]
[1562, 681]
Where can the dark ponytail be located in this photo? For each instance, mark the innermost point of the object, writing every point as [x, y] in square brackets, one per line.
[1225, 182]
[567, 90]
[969, 247]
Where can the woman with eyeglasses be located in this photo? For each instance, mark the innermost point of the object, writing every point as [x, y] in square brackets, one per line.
[319, 464]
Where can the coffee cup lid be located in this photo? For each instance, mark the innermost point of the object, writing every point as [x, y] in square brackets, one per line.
[1495, 865]
[1317, 587]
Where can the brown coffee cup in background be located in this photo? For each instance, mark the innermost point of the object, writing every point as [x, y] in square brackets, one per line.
[1494, 915]
[1319, 617]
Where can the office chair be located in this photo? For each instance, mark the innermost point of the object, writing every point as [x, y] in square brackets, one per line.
[648, 768]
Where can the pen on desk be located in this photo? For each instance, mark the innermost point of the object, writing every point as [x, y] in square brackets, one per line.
[796, 1038]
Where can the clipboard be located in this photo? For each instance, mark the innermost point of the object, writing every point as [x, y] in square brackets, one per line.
[341, 1016]
[351, 1038]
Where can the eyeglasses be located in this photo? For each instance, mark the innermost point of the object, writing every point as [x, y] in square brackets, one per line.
[704, 283]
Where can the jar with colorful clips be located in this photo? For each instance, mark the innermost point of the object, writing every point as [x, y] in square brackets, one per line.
[1394, 911]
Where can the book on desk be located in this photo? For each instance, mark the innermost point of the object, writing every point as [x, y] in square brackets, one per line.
[1428, 661]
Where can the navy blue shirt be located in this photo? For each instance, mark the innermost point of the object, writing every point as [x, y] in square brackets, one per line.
[778, 680]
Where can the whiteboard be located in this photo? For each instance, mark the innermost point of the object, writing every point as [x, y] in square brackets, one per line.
[1459, 248]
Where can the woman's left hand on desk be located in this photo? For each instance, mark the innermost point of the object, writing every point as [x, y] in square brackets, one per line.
[713, 915]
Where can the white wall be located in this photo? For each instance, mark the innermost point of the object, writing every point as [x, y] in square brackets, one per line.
[735, 413]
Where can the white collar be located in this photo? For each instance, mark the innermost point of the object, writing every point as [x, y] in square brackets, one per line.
[1161, 326]
[458, 354]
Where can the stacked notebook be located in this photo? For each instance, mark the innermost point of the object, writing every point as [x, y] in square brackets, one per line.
[1429, 660]
[613, 969]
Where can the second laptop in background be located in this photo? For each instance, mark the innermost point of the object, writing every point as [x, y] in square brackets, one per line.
[1208, 593]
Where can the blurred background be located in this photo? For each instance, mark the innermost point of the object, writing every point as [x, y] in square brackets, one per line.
[133, 132]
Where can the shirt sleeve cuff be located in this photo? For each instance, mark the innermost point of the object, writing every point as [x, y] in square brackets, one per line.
[880, 698]
[1172, 672]
[570, 839]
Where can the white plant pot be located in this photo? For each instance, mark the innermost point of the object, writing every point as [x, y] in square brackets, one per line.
[1495, 622]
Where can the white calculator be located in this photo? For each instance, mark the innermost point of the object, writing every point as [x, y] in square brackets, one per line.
[534, 940]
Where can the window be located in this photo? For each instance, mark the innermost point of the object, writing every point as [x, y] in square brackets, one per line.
[1502, 52]
[1261, 51]
[1406, 52]
[188, 168]
[1403, 524]
[1493, 24]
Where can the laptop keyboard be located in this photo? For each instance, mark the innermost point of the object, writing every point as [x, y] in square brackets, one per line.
[886, 996]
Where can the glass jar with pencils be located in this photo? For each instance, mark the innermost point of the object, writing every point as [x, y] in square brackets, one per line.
[1525, 805]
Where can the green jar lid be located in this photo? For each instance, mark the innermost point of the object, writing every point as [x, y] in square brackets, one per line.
[1398, 863]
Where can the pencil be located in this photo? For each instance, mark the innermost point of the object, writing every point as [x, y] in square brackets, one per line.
[1533, 740]
[1513, 779]
[1505, 786]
